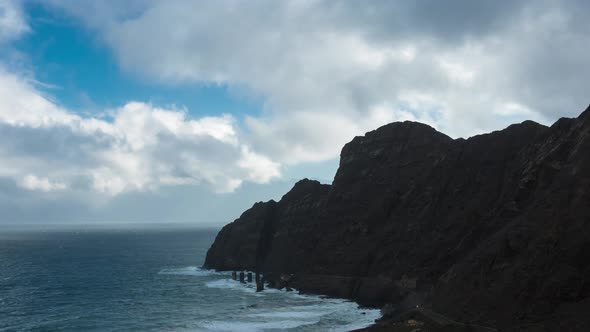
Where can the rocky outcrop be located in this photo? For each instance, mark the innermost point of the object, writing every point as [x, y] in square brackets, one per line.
[493, 230]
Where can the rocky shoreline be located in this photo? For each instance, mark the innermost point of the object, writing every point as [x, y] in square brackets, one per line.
[490, 232]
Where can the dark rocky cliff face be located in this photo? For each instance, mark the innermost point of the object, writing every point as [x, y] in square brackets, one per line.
[492, 230]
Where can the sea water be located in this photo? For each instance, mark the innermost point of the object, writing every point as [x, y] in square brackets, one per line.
[145, 280]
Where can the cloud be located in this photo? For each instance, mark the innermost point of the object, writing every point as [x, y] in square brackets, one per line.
[326, 71]
[32, 182]
[331, 70]
[12, 21]
[137, 147]
[186, 204]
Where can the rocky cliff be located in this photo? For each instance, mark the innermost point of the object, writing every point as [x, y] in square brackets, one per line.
[491, 230]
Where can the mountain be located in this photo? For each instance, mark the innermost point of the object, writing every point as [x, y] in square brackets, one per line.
[493, 230]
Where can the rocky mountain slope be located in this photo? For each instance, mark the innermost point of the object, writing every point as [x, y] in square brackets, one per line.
[491, 230]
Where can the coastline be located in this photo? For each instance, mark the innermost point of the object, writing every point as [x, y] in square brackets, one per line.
[388, 320]
[417, 219]
[273, 284]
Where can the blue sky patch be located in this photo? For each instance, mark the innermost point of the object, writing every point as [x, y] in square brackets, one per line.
[81, 72]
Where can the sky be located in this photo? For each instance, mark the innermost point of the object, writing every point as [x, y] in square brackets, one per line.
[146, 111]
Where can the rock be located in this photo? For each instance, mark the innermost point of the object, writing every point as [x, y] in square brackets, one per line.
[259, 284]
[492, 231]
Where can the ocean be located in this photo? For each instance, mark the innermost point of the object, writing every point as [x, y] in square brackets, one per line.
[134, 279]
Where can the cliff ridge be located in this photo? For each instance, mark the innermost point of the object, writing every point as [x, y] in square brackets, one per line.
[491, 230]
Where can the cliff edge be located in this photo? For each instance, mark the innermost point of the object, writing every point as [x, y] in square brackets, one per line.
[493, 230]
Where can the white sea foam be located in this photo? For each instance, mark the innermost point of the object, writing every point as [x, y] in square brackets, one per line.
[278, 309]
[249, 288]
[357, 318]
[245, 326]
[191, 271]
[225, 283]
[290, 314]
[289, 310]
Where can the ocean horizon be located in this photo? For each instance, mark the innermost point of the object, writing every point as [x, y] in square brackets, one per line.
[136, 278]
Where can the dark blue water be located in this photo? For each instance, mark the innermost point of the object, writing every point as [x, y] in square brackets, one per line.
[143, 280]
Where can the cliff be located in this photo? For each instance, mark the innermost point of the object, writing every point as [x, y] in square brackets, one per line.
[492, 230]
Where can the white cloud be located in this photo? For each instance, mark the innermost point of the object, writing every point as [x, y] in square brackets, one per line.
[32, 182]
[140, 147]
[314, 135]
[324, 68]
[257, 166]
[326, 71]
[12, 21]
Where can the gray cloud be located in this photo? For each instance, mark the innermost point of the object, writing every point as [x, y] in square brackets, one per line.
[139, 147]
[447, 21]
[463, 66]
[177, 204]
[187, 204]
[326, 70]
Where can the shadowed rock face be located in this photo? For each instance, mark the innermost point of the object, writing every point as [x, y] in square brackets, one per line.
[492, 230]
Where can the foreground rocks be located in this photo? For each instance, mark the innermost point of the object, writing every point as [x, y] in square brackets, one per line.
[491, 231]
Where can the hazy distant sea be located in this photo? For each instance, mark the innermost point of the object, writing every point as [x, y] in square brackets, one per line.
[129, 279]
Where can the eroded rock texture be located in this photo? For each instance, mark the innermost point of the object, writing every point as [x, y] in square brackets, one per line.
[493, 230]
